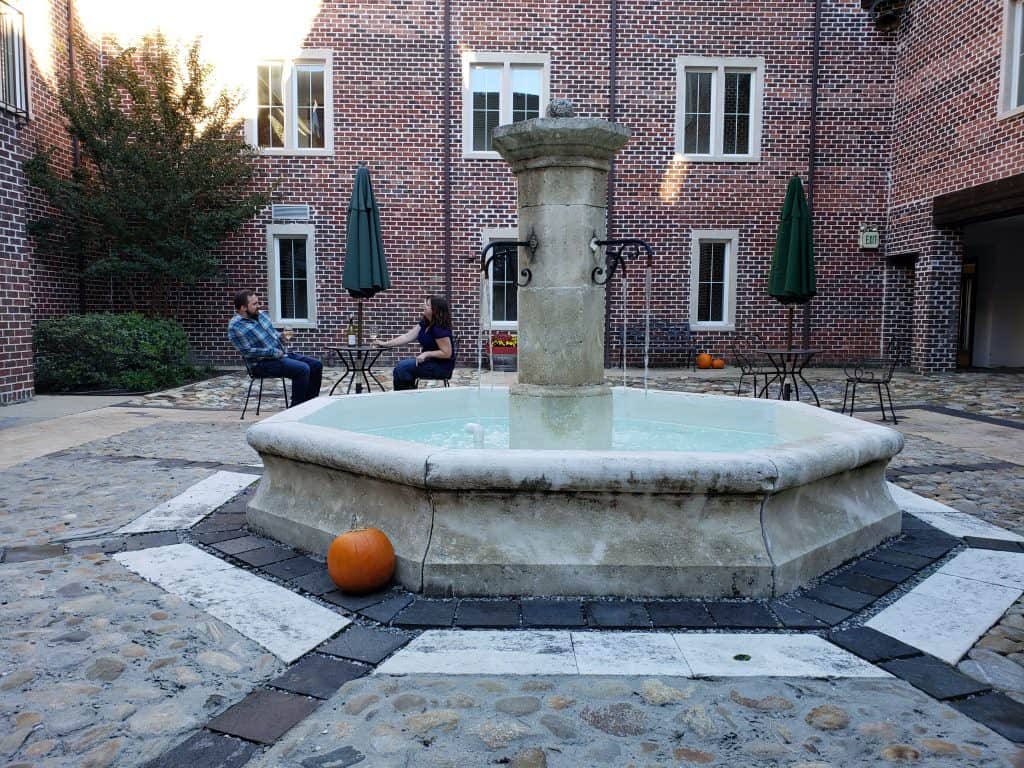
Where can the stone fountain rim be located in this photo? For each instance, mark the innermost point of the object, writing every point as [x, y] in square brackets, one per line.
[755, 471]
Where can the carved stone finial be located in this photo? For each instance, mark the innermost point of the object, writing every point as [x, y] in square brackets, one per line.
[561, 108]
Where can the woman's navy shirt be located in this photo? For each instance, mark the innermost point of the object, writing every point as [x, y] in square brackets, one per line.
[429, 334]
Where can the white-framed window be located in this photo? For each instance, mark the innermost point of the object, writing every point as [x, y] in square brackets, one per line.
[291, 273]
[294, 106]
[713, 279]
[1011, 96]
[13, 62]
[718, 108]
[499, 88]
[502, 291]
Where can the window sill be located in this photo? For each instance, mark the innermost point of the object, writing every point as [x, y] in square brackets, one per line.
[504, 325]
[265, 152]
[695, 326]
[718, 158]
[1009, 114]
[298, 325]
[481, 156]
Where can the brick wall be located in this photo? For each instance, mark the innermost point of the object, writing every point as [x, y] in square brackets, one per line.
[947, 136]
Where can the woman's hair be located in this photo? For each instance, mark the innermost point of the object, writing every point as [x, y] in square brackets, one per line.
[440, 312]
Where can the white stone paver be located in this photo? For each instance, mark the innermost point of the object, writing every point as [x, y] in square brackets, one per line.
[628, 653]
[453, 652]
[771, 655]
[464, 652]
[993, 567]
[188, 508]
[281, 621]
[946, 518]
[945, 614]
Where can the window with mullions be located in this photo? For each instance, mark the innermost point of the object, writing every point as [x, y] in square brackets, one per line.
[291, 276]
[718, 108]
[1012, 97]
[713, 280]
[293, 105]
[13, 64]
[504, 296]
[498, 89]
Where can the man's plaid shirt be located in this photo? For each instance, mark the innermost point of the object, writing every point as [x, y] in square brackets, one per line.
[255, 339]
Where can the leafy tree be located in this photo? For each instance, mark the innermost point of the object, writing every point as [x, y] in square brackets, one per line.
[164, 174]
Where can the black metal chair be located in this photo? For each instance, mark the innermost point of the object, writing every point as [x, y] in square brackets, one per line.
[751, 363]
[446, 379]
[253, 377]
[667, 341]
[874, 372]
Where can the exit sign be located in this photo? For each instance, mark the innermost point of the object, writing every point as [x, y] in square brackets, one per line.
[869, 237]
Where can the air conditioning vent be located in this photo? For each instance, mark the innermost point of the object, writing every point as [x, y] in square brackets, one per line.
[290, 212]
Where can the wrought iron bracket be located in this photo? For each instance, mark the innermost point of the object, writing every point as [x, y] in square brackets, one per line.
[487, 258]
[615, 255]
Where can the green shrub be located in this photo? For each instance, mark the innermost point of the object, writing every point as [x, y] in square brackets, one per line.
[128, 352]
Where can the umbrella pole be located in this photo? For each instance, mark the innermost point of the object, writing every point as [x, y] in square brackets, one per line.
[789, 329]
[359, 324]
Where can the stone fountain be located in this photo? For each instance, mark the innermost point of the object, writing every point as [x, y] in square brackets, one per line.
[561, 510]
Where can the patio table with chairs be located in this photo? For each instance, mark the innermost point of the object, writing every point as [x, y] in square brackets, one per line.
[358, 361]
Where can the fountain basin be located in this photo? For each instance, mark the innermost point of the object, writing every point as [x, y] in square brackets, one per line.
[752, 522]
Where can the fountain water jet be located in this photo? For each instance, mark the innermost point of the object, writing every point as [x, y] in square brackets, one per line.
[564, 510]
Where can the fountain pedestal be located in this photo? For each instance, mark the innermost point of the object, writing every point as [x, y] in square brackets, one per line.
[561, 167]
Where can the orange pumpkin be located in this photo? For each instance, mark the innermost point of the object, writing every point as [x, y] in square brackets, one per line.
[703, 360]
[361, 561]
[718, 363]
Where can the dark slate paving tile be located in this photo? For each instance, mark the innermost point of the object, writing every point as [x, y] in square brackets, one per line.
[925, 546]
[149, 540]
[495, 614]
[996, 711]
[829, 614]
[216, 523]
[207, 750]
[542, 612]
[318, 676]
[791, 618]
[336, 758]
[934, 677]
[244, 544]
[976, 542]
[426, 613]
[841, 597]
[872, 645]
[264, 716]
[679, 613]
[266, 555]
[316, 582]
[617, 614]
[366, 644]
[911, 523]
[357, 602]
[741, 615]
[218, 536]
[884, 571]
[293, 568]
[386, 611]
[860, 582]
[107, 546]
[902, 559]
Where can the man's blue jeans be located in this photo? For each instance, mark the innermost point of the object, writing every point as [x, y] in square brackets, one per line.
[407, 371]
[305, 373]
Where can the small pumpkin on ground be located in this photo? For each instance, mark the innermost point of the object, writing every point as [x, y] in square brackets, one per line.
[361, 561]
[718, 363]
[703, 360]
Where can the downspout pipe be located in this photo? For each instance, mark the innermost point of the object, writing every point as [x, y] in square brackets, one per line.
[812, 160]
[613, 96]
[446, 144]
[76, 154]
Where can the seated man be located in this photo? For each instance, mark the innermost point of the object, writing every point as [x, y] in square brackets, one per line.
[261, 345]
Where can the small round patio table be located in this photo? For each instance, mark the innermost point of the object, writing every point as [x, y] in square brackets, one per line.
[789, 364]
[358, 361]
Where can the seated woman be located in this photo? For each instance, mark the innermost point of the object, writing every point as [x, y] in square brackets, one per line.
[434, 333]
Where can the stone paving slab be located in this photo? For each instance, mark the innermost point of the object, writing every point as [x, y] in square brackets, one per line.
[263, 716]
[102, 667]
[568, 722]
[189, 507]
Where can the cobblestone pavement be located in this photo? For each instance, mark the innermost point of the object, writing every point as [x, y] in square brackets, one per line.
[100, 668]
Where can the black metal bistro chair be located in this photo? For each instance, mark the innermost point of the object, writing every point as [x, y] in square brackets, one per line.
[751, 363]
[253, 377]
[874, 372]
[445, 379]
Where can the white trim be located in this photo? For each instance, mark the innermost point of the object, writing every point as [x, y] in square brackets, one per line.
[731, 238]
[718, 66]
[505, 99]
[1011, 71]
[489, 236]
[275, 231]
[307, 57]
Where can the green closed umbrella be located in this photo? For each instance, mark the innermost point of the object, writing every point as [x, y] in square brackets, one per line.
[791, 280]
[366, 271]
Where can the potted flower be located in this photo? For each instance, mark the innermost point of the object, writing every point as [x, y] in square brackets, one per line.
[504, 348]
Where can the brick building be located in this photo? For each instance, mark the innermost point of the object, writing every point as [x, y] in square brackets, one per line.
[902, 116]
